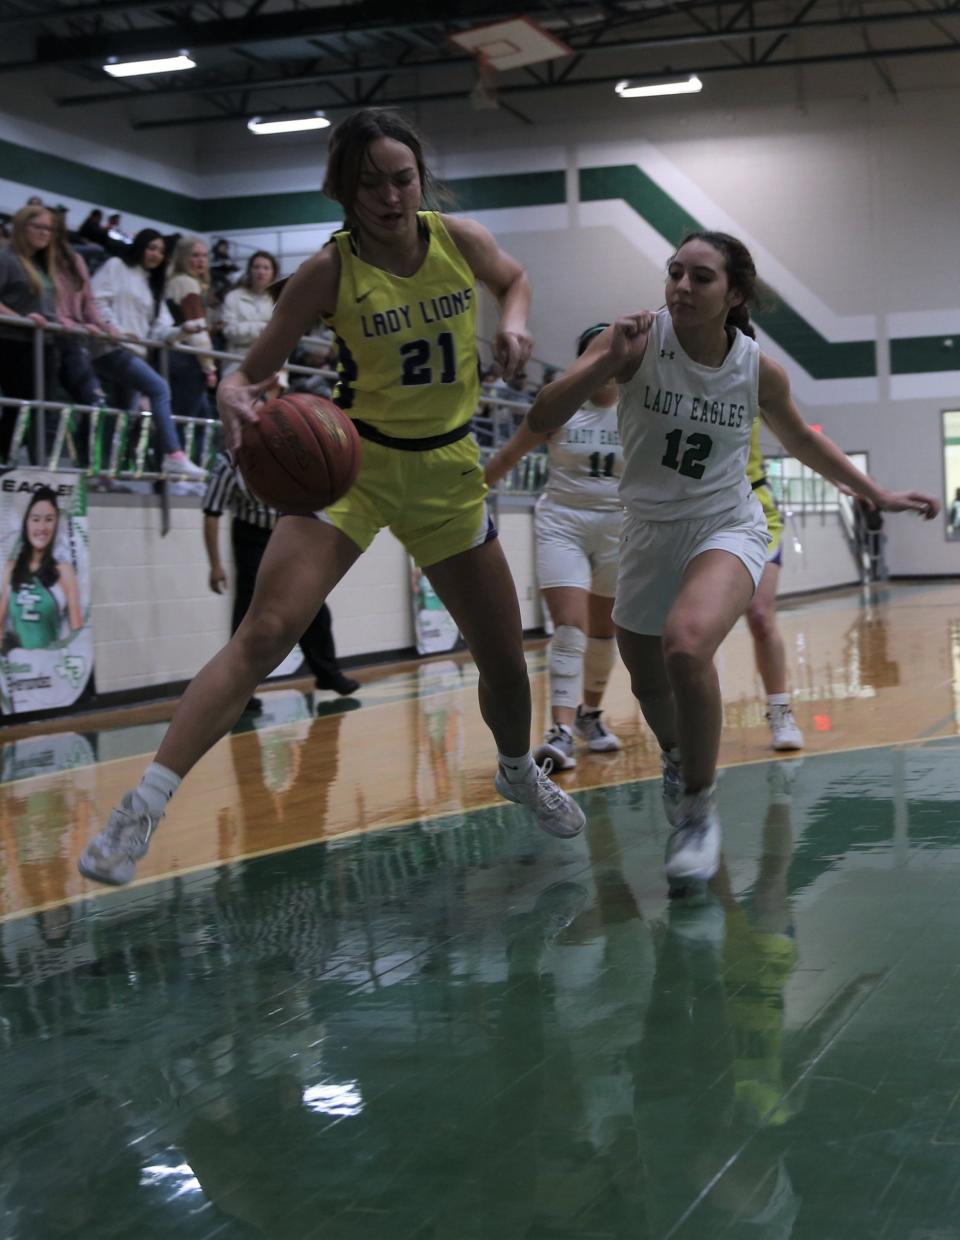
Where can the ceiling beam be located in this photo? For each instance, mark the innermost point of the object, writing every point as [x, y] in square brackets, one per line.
[678, 71]
[702, 36]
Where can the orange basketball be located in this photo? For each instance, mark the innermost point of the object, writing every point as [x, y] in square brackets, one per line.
[301, 455]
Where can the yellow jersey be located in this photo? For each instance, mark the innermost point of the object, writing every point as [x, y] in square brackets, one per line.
[755, 466]
[408, 344]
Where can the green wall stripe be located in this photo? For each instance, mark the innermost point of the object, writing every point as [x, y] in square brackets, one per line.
[39, 170]
[822, 359]
[915, 355]
[819, 357]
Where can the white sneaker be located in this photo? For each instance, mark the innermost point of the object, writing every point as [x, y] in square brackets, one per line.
[556, 812]
[180, 464]
[693, 849]
[558, 745]
[112, 855]
[784, 732]
[590, 728]
[672, 784]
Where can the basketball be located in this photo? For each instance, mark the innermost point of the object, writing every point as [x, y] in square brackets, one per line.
[301, 455]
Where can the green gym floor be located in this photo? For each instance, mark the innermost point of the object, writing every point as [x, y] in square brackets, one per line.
[460, 1029]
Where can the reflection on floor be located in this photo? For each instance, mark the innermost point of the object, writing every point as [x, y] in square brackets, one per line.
[461, 1029]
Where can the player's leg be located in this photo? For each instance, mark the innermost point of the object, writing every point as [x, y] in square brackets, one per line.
[478, 590]
[642, 656]
[304, 560]
[597, 666]
[715, 590]
[771, 660]
[565, 655]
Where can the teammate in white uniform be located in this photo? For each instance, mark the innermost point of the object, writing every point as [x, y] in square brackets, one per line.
[578, 523]
[692, 380]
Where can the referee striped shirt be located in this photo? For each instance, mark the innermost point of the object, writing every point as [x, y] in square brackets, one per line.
[226, 489]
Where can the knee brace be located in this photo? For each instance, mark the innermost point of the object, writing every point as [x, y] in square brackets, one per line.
[598, 664]
[565, 661]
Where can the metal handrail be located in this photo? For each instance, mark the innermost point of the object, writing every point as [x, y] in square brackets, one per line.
[498, 405]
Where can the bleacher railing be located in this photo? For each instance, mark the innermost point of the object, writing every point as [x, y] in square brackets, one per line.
[115, 443]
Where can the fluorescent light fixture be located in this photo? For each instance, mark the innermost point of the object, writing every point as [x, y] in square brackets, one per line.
[133, 68]
[689, 86]
[317, 121]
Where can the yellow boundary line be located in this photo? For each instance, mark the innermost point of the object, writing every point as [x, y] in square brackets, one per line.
[99, 892]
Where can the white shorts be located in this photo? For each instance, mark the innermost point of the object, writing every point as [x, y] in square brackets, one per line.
[577, 547]
[654, 556]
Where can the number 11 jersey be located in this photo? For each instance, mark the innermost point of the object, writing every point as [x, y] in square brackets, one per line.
[686, 428]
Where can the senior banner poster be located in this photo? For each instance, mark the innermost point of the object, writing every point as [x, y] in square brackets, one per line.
[434, 629]
[46, 643]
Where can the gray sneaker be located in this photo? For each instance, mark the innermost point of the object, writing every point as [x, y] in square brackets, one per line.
[558, 745]
[112, 855]
[693, 849]
[672, 786]
[589, 727]
[556, 812]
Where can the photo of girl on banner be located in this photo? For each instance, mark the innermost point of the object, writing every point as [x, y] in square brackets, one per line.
[46, 645]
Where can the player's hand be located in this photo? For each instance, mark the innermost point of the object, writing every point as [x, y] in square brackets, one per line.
[628, 340]
[236, 401]
[909, 501]
[511, 350]
[218, 579]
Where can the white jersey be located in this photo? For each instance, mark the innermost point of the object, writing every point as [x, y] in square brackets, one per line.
[686, 428]
[586, 460]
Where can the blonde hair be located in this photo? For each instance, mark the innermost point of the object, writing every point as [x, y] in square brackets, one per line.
[180, 263]
[18, 244]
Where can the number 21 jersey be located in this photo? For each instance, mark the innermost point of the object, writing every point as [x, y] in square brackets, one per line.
[408, 344]
[685, 428]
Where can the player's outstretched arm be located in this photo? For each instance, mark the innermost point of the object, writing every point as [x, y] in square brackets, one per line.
[615, 353]
[821, 454]
[522, 441]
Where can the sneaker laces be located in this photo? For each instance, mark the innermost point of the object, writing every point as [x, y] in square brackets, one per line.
[552, 797]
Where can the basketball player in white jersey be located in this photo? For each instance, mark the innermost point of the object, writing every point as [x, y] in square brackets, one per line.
[692, 380]
[578, 523]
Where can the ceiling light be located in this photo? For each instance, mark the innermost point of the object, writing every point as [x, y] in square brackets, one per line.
[316, 121]
[688, 86]
[131, 68]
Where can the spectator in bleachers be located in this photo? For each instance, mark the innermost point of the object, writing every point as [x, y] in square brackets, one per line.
[222, 268]
[129, 293]
[117, 239]
[92, 229]
[76, 311]
[26, 289]
[248, 307]
[187, 294]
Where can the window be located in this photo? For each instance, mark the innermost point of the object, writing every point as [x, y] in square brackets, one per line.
[951, 471]
[799, 489]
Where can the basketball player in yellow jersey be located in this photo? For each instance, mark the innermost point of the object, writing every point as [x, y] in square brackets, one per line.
[768, 647]
[398, 284]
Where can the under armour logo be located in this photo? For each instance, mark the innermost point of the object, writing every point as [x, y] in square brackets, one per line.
[664, 353]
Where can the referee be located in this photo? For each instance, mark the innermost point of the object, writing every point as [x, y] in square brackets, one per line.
[250, 532]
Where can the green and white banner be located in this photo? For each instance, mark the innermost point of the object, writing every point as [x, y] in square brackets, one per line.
[46, 643]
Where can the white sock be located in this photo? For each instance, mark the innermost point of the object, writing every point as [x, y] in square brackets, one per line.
[517, 770]
[778, 699]
[155, 790]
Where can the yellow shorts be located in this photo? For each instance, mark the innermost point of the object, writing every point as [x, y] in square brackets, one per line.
[774, 523]
[432, 501]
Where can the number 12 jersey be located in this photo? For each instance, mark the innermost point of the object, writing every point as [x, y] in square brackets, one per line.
[686, 428]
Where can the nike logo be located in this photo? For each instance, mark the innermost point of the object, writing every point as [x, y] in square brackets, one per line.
[364, 296]
[463, 473]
